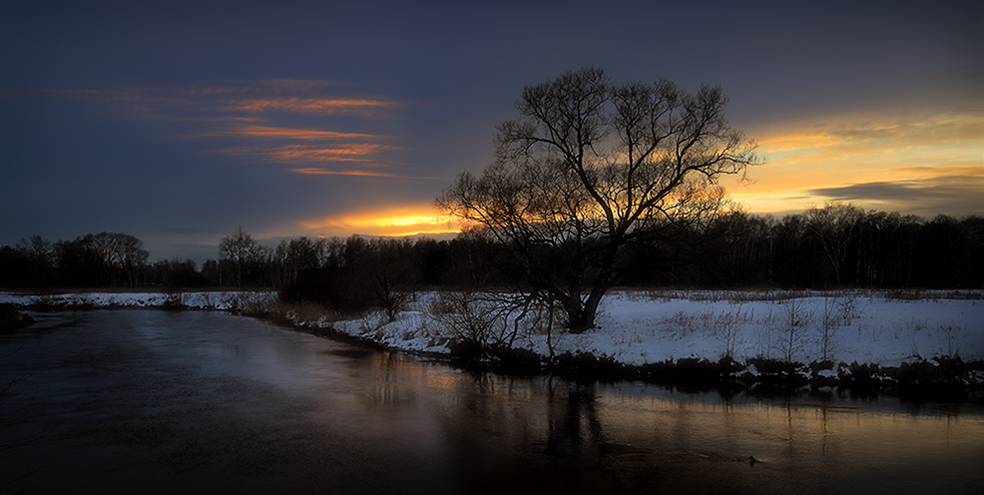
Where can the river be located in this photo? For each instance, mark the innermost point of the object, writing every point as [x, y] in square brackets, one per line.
[146, 401]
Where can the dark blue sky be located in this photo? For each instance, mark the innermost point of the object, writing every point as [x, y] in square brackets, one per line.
[178, 122]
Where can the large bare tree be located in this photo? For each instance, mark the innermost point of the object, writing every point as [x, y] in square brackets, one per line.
[589, 168]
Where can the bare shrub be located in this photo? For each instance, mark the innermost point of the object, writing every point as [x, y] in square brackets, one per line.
[906, 294]
[303, 314]
[468, 316]
[947, 339]
[727, 326]
[45, 301]
[372, 324]
[491, 318]
[705, 296]
[850, 306]
[207, 300]
[792, 317]
[307, 313]
[662, 295]
[250, 303]
[445, 303]
[686, 323]
[969, 295]
[933, 295]
[831, 317]
[743, 296]
[81, 301]
[173, 299]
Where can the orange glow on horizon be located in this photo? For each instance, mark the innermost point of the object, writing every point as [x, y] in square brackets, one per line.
[389, 222]
[910, 162]
[300, 154]
[363, 173]
[322, 106]
[181, 102]
[261, 131]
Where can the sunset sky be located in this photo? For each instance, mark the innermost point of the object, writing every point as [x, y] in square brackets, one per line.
[178, 122]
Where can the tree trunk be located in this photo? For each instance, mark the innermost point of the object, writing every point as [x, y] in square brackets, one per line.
[581, 315]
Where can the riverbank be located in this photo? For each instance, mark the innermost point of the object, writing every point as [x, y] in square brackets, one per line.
[909, 343]
[912, 343]
[152, 401]
[11, 319]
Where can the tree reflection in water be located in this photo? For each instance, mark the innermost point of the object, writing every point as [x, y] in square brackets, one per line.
[159, 403]
[539, 434]
[574, 430]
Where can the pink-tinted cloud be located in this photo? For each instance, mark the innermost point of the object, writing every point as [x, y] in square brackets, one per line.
[299, 154]
[359, 173]
[316, 106]
[260, 114]
[306, 97]
[272, 132]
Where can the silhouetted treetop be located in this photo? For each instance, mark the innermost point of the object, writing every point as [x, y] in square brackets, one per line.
[590, 167]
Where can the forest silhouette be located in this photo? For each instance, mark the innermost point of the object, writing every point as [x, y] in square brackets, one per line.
[837, 246]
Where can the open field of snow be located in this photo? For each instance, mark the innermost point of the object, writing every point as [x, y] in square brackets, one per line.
[638, 327]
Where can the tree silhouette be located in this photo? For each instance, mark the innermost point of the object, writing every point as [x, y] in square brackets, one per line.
[590, 167]
[242, 251]
[835, 226]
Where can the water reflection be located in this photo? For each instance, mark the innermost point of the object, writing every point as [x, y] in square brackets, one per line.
[197, 402]
[539, 433]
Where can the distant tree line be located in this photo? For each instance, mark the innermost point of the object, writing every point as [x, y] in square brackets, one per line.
[94, 260]
[842, 245]
[830, 247]
[836, 246]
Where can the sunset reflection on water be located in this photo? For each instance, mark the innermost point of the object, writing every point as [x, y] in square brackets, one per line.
[503, 430]
[161, 402]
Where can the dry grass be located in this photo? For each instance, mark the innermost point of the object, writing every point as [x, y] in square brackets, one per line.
[753, 295]
[300, 314]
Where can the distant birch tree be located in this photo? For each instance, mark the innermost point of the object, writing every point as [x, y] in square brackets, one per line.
[240, 248]
[835, 226]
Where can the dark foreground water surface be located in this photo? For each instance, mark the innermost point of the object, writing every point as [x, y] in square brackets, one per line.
[142, 401]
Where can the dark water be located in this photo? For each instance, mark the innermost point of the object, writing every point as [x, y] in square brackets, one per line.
[192, 402]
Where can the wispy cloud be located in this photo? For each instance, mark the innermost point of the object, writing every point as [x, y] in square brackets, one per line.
[930, 195]
[358, 173]
[291, 133]
[299, 154]
[847, 137]
[259, 121]
[305, 97]
[907, 162]
[316, 106]
[902, 190]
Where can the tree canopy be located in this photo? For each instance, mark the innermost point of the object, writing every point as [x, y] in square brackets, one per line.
[590, 168]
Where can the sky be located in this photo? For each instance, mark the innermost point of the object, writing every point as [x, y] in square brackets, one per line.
[179, 122]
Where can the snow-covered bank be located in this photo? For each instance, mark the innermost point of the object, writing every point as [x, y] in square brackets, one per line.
[215, 300]
[636, 327]
[639, 327]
